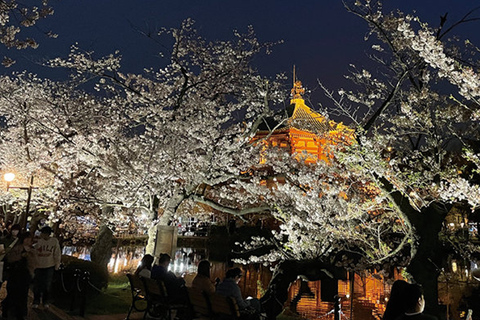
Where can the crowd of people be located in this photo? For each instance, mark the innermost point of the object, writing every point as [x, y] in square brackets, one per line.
[27, 259]
[176, 286]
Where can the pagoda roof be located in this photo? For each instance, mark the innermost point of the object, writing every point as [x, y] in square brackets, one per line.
[305, 119]
[299, 116]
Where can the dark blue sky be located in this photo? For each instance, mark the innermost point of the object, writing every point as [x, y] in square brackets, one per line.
[319, 36]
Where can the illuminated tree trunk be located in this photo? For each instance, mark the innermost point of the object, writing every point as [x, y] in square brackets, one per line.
[163, 220]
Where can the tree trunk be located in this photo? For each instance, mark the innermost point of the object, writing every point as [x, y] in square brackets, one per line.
[426, 264]
[287, 272]
[165, 219]
[101, 252]
[427, 254]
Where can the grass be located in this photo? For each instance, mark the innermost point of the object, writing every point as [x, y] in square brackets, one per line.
[115, 299]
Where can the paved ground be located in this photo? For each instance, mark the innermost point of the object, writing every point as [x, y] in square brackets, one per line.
[54, 313]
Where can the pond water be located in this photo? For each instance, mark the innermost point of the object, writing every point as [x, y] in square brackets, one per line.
[362, 296]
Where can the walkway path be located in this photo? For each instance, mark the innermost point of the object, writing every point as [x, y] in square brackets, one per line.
[54, 313]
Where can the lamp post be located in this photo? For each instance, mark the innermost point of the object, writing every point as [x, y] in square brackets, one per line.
[9, 177]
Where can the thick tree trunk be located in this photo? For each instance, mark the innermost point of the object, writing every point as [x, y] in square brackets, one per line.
[164, 219]
[427, 261]
[287, 272]
[101, 252]
[427, 254]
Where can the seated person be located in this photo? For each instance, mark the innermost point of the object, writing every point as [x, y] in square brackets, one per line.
[176, 289]
[145, 267]
[229, 288]
[202, 281]
[414, 304]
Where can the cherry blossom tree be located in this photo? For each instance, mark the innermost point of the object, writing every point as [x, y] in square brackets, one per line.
[47, 136]
[143, 141]
[417, 126]
[16, 16]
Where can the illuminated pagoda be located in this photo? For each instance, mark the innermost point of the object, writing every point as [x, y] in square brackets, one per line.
[305, 131]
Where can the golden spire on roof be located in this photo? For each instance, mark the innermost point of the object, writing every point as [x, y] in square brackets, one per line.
[297, 89]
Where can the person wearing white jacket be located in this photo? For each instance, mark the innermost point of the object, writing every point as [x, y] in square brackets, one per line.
[48, 255]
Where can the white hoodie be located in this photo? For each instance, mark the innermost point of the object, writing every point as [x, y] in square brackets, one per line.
[48, 253]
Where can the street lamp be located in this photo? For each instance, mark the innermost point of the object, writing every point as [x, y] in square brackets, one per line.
[9, 177]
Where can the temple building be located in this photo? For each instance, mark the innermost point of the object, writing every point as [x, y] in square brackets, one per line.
[305, 131]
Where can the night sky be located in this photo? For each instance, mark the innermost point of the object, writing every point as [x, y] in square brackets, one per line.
[319, 36]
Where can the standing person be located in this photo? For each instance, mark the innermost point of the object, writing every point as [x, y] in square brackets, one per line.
[7, 243]
[48, 260]
[202, 281]
[396, 303]
[11, 238]
[414, 304]
[21, 261]
[145, 267]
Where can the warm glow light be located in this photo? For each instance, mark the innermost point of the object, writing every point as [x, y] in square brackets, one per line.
[9, 176]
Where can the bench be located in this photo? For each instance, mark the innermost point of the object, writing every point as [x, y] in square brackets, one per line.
[158, 302]
[225, 308]
[138, 294]
[214, 306]
[199, 304]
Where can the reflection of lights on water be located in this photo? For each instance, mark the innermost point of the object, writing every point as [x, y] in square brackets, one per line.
[179, 267]
[128, 260]
[116, 265]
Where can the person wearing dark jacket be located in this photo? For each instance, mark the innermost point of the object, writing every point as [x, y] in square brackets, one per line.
[229, 288]
[396, 302]
[21, 263]
[176, 289]
[414, 304]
